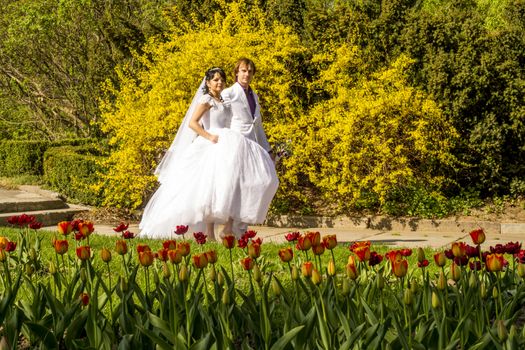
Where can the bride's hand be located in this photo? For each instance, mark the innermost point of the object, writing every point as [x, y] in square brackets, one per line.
[214, 138]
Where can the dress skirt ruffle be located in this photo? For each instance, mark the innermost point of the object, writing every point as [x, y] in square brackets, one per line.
[234, 177]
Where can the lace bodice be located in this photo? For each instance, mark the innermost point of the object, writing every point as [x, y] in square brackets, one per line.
[218, 116]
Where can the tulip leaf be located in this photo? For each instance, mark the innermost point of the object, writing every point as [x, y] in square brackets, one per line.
[286, 338]
[202, 344]
[323, 326]
[400, 333]
[43, 333]
[159, 341]
[356, 333]
[372, 319]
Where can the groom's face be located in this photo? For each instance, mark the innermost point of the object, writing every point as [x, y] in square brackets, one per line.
[245, 75]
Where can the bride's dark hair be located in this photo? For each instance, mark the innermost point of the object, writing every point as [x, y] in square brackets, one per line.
[210, 73]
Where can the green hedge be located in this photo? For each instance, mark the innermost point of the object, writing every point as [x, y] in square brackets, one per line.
[74, 171]
[26, 157]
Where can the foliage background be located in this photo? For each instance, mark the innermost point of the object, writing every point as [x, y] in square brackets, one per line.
[401, 106]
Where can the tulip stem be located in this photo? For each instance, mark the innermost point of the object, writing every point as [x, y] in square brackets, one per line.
[231, 267]
[110, 294]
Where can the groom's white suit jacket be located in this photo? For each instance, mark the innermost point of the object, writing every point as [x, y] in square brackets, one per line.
[242, 120]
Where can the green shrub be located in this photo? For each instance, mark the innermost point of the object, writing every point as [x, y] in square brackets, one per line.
[74, 172]
[26, 157]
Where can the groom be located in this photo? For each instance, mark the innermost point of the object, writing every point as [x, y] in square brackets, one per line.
[246, 113]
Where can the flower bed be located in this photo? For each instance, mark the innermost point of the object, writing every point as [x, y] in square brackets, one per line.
[61, 290]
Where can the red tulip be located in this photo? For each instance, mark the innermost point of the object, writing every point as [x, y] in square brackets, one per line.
[459, 249]
[10, 247]
[61, 246]
[375, 259]
[162, 254]
[128, 235]
[307, 269]
[35, 225]
[286, 254]
[318, 249]
[247, 263]
[440, 259]
[169, 244]
[315, 238]
[423, 263]
[121, 227]
[143, 248]
[254, 250]
[304, 243]
[181, 229]
[83, 252]
[84, 298]
[292, 236]
[228, 241]
[351, 269]
[200, 237]
[478, 236]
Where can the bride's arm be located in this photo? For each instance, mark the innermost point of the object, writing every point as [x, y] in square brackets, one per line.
[196, 126]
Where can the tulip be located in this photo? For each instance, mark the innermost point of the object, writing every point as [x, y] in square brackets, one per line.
[483, 291]
[254, 250]
[304, 243]
[183, 273]
[400, 268]
[181, 229]
[442, 281]
[316, 277]
[247, 263]
[211, 255]
[315, 238]
[83, 252]
[494, 262]
[286, 254]
[276, 287]
[394, 255]
[3, 255]
[121, 227]
[295, 273]
[351, 271]
[330, 241]
[220, 278]
[175, 256]
[184, 248]
[459, 249]
[166, 272]
[502, 330]
[362, 252]
[200, 261]
[128, 235]
[318, 249]
[257, 276]
[421, 255]
[52, 268]
[162, 254]
[292, 236]
[380, 281]
[226, 296]
[346, 287]
[3, 242]
[123, 284]
[472, 281]
[408, 297]
[83, 274]
[406, 252]
[143, 248]
[478, 236]
[436, 302]
[200, 237]
[228, 241]
[331, 268]
[10, 247]
[121, 247]
[170, 244]
[307, 269]
[85, 228]
[105, 254]
[440, 259]
[455, 271]
[521, 270]
[61, 246]
[146, 258]
[84, 298]
[65, 227]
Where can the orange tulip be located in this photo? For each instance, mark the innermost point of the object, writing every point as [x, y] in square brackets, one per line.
[61, 246]
[146, 258]
[143, 248]
[440, 259]
[400, 268]
[394, 255]
[184, 248]
[211, 255]
[286, 254]
[362, 252]
[121, 247]
[85, 228]
[495, 262]
[351, 271]
[200, 261]
[175, 256]
[330, 241]
[307, 269]
[318, 249]
[304, 243]
[65, 227]
[459, 249]
[83, 252]
[247, 263]
[254, 250]
[3, 242]
[105, 254]
[228, 241]
[478, 236]
[315, 238]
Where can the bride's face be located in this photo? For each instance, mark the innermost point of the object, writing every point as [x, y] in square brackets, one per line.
[215, 84]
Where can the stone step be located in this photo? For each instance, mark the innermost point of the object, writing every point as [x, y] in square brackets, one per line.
[29, 198]
[47, 217]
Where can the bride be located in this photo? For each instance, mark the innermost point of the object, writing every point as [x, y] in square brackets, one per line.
[210, 174]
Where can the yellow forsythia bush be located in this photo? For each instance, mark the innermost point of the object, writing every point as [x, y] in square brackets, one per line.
[142, 114]
[372, 135]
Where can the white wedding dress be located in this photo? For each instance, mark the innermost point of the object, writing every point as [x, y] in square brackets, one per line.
[211, 182]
